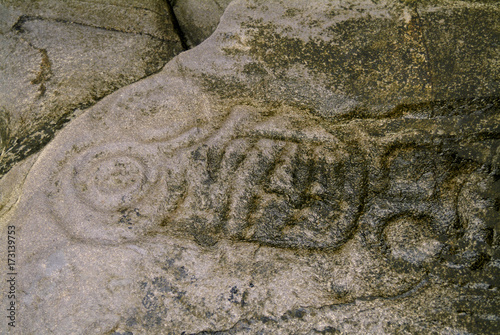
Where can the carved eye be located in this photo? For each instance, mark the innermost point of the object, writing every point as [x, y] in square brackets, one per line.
[105, 187]
[412, 239]
[111, 182]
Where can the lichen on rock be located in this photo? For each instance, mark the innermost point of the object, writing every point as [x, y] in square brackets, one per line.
[310, 168]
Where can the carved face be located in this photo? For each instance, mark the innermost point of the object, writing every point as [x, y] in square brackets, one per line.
[251, 179]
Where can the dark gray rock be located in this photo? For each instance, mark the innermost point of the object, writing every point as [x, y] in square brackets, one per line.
[301, 171]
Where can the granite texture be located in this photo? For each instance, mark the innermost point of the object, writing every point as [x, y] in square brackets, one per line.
[322, 168]
[198, 19]
[57, 58]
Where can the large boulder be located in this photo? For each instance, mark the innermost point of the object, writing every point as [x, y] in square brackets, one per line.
[60, 57]
[313, 168]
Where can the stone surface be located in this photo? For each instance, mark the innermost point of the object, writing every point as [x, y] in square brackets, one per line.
[329, 168]
[198, 18]
[60, 57]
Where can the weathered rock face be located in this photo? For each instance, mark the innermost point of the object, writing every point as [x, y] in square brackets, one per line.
[308, 169]
[59, 57]
[397, 54]
[198, 18]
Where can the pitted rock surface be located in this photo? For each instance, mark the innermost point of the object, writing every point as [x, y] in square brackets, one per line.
[311, 169]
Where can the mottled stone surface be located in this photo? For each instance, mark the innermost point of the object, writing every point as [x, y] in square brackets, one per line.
[198, 18]
[320, 168]
[60, 57]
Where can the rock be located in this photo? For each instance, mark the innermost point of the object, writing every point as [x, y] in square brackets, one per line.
[397, 54]
[198, 18]
[308, 169]
[55, 61]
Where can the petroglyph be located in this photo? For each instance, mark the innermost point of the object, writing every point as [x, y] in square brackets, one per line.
[329, 167]
[249, 179]
[261, 177]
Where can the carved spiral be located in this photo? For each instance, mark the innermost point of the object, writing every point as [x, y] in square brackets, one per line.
[99, 195]
[111, 180]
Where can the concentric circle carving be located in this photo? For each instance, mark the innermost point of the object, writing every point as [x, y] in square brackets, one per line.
[110, 181]
[408, 236]
[100, 193]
